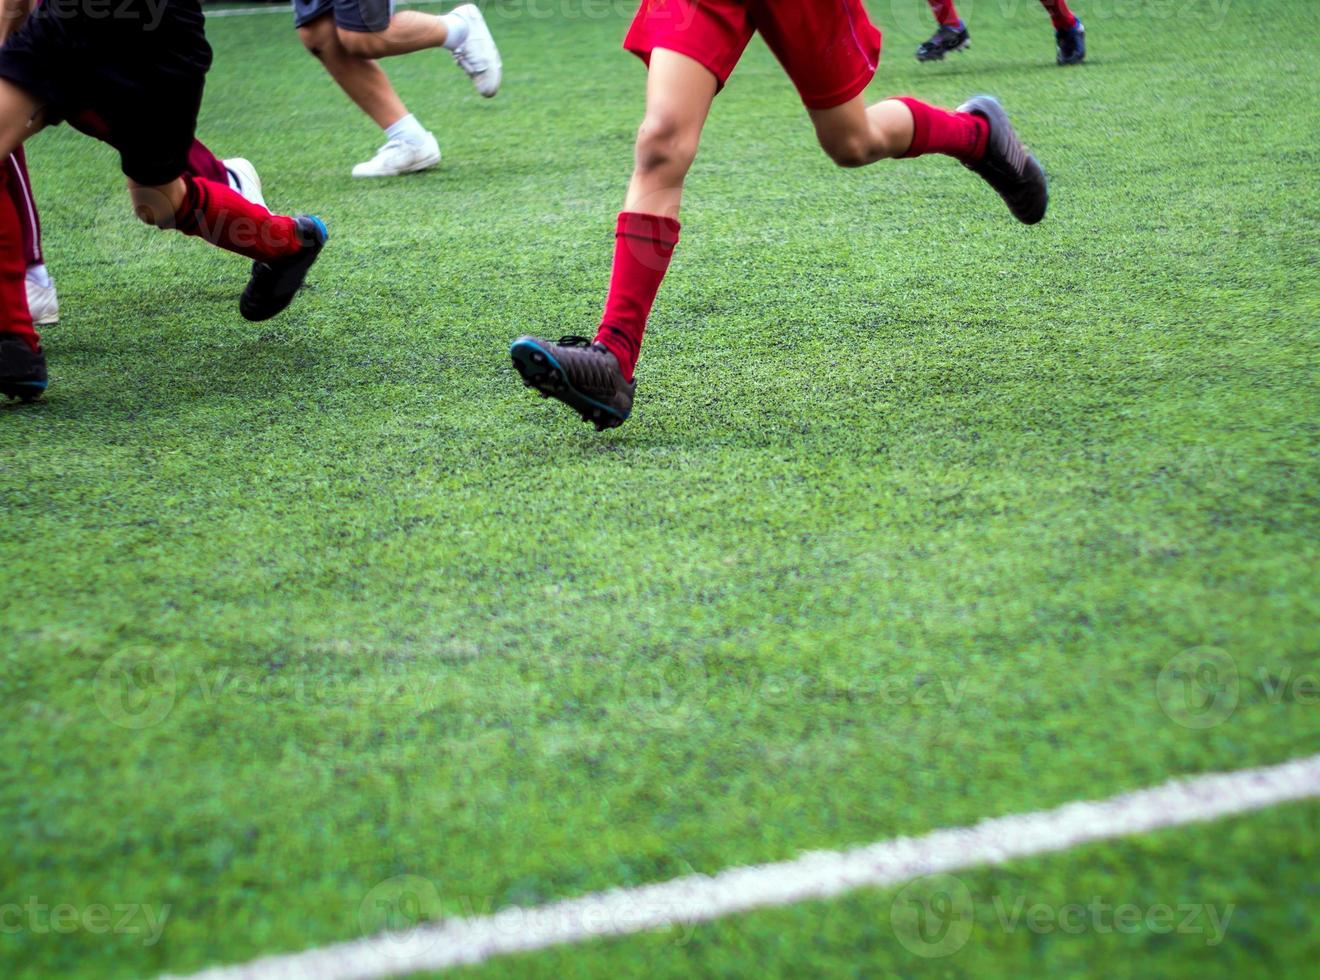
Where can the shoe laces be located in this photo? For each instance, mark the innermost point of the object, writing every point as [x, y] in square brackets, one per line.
[467, 60]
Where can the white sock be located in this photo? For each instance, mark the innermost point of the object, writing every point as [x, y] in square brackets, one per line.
[38, 274]
[407, 129]
[458, 30]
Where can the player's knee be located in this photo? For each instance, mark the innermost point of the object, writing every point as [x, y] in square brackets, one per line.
[852, 151]
[360, 44]
[152, 214]
[318, 36]
[662, 144]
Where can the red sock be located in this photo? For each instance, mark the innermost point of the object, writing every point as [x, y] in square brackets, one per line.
[1063, 18]
[203, 163]
[643, 244]
[213, 211]
[961, 135]
[945, 12]
[20, 191]
[14, 315]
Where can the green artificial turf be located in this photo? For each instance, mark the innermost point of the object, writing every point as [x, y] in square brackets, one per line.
[922, 516]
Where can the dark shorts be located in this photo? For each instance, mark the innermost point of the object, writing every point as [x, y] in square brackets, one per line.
[140, 72]
[362, 16]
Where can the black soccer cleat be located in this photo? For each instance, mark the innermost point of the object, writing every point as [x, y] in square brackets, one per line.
[943, 41]
[1007, 166]
[22, 370]
[583, 375]
[1071, 44]
[274, 284]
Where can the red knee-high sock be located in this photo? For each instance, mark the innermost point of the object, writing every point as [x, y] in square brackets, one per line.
[1063, 18]
[203, 163]
[213, 211]
[961, 135]
[14, 315]
[945, 12]
[20, 191]
[643, 244]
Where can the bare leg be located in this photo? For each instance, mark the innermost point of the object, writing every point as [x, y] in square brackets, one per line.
[679, 92]
[409, 31]
[157, 205]
[362, 80]
[854, 135]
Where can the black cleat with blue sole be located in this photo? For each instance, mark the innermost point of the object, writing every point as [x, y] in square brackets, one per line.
[22, 370]
[582, 374]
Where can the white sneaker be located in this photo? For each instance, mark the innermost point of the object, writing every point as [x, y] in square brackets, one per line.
[399, 157]
[249, 183]
[478, 55]
[43, 304]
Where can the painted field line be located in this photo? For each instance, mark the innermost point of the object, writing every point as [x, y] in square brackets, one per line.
[825, 874]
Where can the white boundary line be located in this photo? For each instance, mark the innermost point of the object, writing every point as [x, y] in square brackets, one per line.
[825, 874]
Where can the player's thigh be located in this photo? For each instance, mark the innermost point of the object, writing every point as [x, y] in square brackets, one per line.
[679, 93]
[829, 48]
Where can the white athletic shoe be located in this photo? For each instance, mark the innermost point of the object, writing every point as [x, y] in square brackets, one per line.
[478, 55]
[43, 304]
[399, 157]
[249, 183]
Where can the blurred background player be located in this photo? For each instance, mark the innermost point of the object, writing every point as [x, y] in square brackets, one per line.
[830, 51]
[139, 74]
[43, 303]
[347, 36]
[951, 35]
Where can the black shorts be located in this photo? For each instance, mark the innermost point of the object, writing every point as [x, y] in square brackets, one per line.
[136, 69]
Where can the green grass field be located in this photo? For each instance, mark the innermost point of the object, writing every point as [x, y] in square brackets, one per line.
[916, 508]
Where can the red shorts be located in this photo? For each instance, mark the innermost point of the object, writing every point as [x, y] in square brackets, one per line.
[829, 48]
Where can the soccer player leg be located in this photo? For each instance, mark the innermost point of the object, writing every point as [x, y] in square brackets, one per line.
[1069, 34]
[22, 361]
[408, 146]
[371, 29]
[43, 303]
[950, 34]
[690, 49]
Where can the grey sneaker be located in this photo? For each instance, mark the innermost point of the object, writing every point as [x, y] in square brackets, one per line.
[1007, 166]
[582, 374]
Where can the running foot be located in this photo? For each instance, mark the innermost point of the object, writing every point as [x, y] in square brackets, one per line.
[943, 41]
[1071, 45]
[22, 370]
[274, 284]
[478, 55]
[583, 375]
[400, 157]
[1007, 166]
